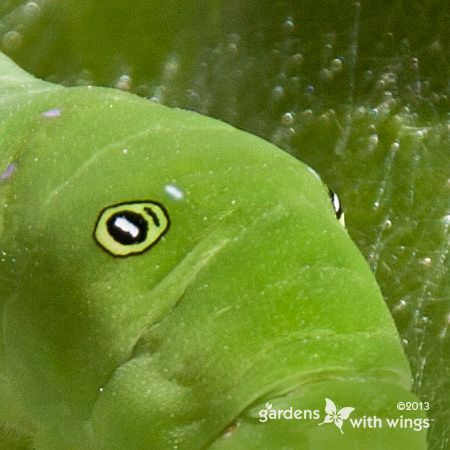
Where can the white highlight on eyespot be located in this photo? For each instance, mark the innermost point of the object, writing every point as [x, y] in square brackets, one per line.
[126, 226]
[336, 202]
[174, 191]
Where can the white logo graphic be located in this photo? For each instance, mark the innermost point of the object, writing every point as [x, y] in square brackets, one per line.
[335, 416]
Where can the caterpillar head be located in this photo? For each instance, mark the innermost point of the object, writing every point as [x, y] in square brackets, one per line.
[165, 271]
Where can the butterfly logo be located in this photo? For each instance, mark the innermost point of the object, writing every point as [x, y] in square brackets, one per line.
[336, 416]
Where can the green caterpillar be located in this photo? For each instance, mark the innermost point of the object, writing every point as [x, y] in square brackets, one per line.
[170, 282]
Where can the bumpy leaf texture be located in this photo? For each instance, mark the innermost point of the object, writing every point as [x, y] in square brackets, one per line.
[358, 90]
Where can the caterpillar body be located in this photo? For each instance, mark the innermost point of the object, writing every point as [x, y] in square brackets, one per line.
[167, 277]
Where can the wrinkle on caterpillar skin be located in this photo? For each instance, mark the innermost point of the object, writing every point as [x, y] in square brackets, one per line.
[175, 283]
[182, 275]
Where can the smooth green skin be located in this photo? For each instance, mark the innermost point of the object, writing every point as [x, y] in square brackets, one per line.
[255, 294]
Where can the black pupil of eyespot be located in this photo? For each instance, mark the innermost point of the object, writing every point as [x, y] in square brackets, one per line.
[336, 203]
[127, 227]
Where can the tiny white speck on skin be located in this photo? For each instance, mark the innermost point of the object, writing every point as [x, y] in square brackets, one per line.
[8, 172]
[174, 191]
[52, 113]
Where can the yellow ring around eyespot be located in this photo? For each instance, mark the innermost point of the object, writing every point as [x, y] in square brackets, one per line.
[153, 212]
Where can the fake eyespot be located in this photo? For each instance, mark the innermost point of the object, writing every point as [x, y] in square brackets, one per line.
[131, 228]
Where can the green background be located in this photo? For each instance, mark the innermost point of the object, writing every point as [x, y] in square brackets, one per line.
[358, 90]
